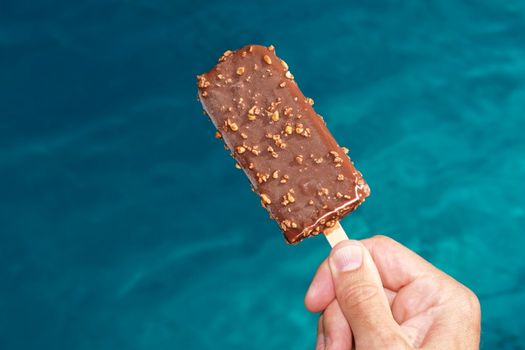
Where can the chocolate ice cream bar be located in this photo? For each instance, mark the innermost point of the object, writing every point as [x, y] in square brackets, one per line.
[304, 178]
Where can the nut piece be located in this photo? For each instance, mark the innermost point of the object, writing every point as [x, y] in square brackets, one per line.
[345, 150]
[288, 129]
[253, 113]
[340, 177]
[218, 135]
[240, 71]
[275, 116]
[275, 174]
[288, 75]
[310, 101]
[299, 159]
[283, 84]
[233, 126]
[267, 59]
[265, 199]
[285, 66]
[202, 82]
[240, 149]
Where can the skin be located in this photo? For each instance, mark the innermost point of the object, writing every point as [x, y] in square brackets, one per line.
[378, 294]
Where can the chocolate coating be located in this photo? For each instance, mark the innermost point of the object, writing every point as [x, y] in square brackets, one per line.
[304, 179]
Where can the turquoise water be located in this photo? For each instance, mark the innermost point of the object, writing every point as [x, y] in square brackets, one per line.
[124, 225]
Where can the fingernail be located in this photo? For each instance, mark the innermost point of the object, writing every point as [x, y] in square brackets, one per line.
[347, 258]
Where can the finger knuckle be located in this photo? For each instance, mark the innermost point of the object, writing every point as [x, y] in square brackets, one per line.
[357, 294]
[383, 240]
[472, 303]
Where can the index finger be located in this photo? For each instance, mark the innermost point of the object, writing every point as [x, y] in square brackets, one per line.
[397, 265]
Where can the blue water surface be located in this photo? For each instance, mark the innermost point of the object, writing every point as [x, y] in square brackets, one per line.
[124, 225]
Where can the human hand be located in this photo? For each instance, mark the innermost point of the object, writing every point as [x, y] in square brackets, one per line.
[378, 294]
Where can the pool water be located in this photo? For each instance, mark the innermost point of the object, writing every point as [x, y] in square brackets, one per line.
[124, 224]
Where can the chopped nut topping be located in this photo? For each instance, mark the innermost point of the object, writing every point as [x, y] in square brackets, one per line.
[267, 59]
[275, 174]
[288, 111]
[323, 191]
[299, 159]
[237, 166]
[290, 198]
[283, 84]
[294, 225]
[250, 166]
[310, 101]
[345, 150]
[306, 132]
[340, 177]
[347, 196]
[262, 177]
[202, 82]
[338, 160]
[339, 195]
[334, 153]
[227, 53]
[250, 49]
[220, 76]
[244, 53]
[330, 223]
[288, 129]
[204, 93]
[288, 75]
[265, 199]
[311, 202]
[240, 149]
[218, 135]
[233, 126]
[275, 116]
[240, 71]
[253, 113]
[271, 48]
[360, 181]
[318, 160]
[299, 128]
[285, 66]
[244, 136]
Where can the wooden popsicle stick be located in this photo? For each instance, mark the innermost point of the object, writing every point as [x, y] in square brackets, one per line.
[335, 234]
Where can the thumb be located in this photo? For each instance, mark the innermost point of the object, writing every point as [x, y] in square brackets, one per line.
[360, 294]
